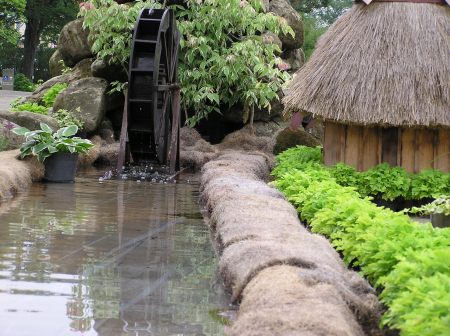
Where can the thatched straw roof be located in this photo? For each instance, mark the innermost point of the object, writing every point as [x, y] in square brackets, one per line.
[385, 63]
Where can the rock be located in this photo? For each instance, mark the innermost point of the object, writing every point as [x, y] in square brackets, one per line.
[267, 129]
[189, 136]
[85, 98]
[55, 65]
[295, 58]
[271, 38]
[283, 9]
[106, 131]
[29, 120]
[87, 159]
[289, 138]
[266, 115]
[9, 140]
[81, 70]
[108, 154]
[73, 43]
[236, 114]
[110, 72]
[265, 4]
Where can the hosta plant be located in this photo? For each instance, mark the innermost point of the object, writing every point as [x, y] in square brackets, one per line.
[44, 142]
[440, 205]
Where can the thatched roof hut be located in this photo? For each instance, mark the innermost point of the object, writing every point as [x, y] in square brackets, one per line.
[380, 72]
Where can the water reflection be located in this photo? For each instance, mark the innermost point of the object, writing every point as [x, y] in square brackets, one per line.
[111, 258]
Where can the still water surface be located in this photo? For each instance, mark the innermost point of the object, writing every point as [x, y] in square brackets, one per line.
[111, 258]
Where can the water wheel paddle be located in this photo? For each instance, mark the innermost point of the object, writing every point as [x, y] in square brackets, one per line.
[151, 121]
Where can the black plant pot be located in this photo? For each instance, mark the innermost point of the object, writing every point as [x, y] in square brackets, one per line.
[440, 220]
[61, 167]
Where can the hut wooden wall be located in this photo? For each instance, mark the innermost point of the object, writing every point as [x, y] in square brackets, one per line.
[364, 147]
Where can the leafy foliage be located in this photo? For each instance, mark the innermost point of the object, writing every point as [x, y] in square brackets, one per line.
[22, 83]
[296, 158]
[430, 183]
[223, 60]
[44, 142]
[31, 107]
[50, 96]
[11, 12]
[67, 118]
[44, 20]
[382, 180]
[110, 26]
[312, 32]
[408, 261]
[318, 15]
[390, 182]
[439, 205]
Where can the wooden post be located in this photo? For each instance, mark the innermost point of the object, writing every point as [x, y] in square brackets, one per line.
[174, 145]
[123, 136]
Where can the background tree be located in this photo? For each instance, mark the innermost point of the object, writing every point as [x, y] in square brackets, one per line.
[318, 15]
[11, 14]
[44, 20]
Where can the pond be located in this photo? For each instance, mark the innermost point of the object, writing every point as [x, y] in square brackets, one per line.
[108, 258]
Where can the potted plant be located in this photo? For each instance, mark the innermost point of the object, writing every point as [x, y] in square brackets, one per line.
[57, 150]
[438, 210]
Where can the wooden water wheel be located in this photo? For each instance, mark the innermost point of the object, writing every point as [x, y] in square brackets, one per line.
[150, 127]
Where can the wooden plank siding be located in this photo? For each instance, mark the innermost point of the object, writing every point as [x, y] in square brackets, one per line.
[442, 151]
[353, 142]
[365, 147]
[334, 141]
[370, 154]
[408, 148]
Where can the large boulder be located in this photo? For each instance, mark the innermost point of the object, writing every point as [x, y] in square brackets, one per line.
[29, 120]
[8, 140]
[56, 64]
[81, 70]
[294, 58]
[110, 72]
[73, 43]
[293, 137]
[284, 9]
[85, 98]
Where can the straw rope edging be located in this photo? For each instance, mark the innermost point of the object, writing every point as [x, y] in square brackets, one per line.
[263, 243]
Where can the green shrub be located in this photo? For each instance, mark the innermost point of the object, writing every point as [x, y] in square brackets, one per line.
[223, 60]
[296, 158]
[408, 261]
[423, 309]
[382, 180]
[345, 175]
[389, 182]
[31, 107]
[67, 118]
[50, 96]
[430, 183]
[22, 83]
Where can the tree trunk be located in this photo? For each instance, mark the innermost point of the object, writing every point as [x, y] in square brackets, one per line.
[31, 42]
